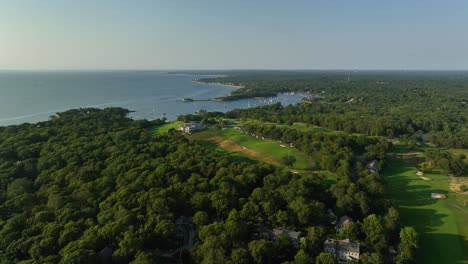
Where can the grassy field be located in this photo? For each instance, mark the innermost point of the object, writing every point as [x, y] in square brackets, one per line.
[442, 224]
[459, 151]
[266, 151]
[303, 127]
[158, 130]
[237, 156]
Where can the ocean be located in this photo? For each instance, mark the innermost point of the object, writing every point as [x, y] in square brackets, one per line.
[27, 96]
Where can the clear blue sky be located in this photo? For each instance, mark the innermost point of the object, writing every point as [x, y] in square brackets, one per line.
[237, 34]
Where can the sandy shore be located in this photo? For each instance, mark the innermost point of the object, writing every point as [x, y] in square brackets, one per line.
[219, 83]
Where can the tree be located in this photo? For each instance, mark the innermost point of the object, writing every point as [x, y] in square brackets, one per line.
[288, 160]
[325, 258]
[392, 218]
[391, 222]
[239, 256]
[259, 250]
[283, 248]
[371, 258]
[282, 217]
[408, 242]
[200, 218]
[374, 232]
[351, 231]
[315, 237]
[301, 257]
[211, 251]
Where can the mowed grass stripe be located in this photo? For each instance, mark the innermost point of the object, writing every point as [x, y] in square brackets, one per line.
[441, 226]
[268, 151]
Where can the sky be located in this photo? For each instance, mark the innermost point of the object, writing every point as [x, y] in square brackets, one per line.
[233, 34]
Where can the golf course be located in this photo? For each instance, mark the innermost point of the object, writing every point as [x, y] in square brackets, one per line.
[267, 151]
[442, 224]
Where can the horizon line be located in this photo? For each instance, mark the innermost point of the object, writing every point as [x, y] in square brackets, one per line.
[233, 69]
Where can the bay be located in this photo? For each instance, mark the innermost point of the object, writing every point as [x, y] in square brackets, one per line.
[27, 96]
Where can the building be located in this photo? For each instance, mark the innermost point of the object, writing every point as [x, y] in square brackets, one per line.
[183, 228]
[105, 255]
[373, 166]
[295, 236]
[343, 250]
[191, 127]
[344, 220]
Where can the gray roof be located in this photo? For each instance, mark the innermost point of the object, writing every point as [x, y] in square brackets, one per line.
[106, 252]
[345, 245]
[344, 219]
[374, 165]
[291, 234]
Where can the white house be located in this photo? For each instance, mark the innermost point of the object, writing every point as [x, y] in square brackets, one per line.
[343, 250]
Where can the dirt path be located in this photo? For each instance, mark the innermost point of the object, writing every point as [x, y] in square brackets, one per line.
[234, 147]
[231, 146]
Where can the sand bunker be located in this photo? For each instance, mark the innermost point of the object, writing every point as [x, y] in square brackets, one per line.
[438, 196]
[425, 178]
[421, 175]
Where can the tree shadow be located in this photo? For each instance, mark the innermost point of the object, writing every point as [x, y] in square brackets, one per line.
[442, 248]
[409, 194]
[434, 247]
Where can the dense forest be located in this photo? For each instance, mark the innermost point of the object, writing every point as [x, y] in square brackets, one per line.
[416, 105]
[93, 186]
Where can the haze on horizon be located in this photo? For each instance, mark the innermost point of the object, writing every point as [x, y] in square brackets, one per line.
[210, 34]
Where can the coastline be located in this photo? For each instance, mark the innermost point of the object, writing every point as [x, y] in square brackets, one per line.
[199, 81]
[218, 99]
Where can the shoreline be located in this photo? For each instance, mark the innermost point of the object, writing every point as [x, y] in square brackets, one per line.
[198, 100]
[218, 99]
[199, 81]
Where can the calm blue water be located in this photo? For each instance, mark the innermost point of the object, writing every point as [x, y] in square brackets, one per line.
[34, 96]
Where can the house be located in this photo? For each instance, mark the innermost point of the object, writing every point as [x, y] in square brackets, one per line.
[105, 255]
[343, 250]
[183, 227]
[344, 220]
[373, 166]
[191, 127]
[295, 236]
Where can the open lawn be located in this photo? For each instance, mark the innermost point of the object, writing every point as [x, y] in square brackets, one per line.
[234, 154]
[158, 130]
[264, 150]
[303, 127]
[441, 224]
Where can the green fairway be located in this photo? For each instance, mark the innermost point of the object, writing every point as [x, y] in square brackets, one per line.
[265, 150]
[441, 224]
[235, 155]
[158, 130]
[272, 149]
[303, 127]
